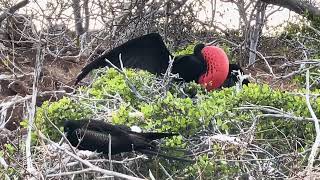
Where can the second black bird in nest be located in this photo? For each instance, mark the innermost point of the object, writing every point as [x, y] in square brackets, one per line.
[93, 135]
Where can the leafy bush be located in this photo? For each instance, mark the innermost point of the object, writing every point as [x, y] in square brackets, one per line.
[140, 98]
[57, 112]
[187, 50]
[190, 116]
[113, 84]
[10, 152]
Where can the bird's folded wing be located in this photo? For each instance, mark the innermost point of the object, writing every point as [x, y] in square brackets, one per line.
[88, 136]
[147, 52]
[103, 127]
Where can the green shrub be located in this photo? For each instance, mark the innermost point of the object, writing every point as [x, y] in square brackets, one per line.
[57, 112]
[112, 84]
[9, 153]
[190, 116]
[187, 50]
[211, 168]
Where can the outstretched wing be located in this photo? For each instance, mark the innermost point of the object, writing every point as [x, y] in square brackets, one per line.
[147, 52]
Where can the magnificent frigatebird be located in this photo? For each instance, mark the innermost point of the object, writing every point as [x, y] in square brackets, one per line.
[93, 135]
[208, 65]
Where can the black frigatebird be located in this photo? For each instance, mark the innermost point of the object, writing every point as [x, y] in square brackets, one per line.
[93, 135]
[208, 65]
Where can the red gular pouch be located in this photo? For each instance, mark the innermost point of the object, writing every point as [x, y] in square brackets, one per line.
[217, 67]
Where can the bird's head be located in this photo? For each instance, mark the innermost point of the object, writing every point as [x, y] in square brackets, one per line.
[71, 125]
[217, 66]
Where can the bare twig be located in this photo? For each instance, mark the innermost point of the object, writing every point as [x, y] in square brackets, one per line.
[165, 171]
[109, 154]
[32, 111]
[273, 112]
[316, 144]
[90, 165]
[13, 9]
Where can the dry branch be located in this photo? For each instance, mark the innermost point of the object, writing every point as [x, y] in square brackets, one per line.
[316, 144]
[32, 111]
[13, 9]
[300, 7]
[87, 163]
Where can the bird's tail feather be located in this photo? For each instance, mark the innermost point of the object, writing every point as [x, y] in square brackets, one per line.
[150, 152]
[154, 136]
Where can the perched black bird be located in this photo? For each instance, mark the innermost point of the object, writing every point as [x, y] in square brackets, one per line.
[93, 135]
[208, 65]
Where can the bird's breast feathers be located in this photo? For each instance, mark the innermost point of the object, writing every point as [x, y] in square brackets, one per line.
[217, 67]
